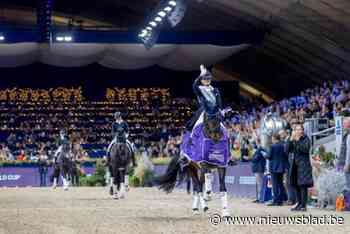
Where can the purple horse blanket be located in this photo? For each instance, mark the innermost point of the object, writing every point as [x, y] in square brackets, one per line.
[203, 149]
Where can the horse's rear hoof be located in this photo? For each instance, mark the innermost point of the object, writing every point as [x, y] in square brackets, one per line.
[115, 197]
[111, 191]
[205, 209]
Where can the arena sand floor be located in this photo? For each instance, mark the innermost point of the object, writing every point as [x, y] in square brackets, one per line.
[145, 210]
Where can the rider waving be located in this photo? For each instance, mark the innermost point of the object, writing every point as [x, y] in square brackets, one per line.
[208, 97]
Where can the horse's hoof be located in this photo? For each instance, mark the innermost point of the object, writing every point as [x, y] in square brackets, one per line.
[115, 197]
[127, 188]
[111, 191]
[195, 211]
[205, 209]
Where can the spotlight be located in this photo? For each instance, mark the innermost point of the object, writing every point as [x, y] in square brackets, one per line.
[161, 13]
[143, 33]
[2, 38]
[172, 3]
[168, 9]
[154, 24]
[158, 19]
[149, 28]
[59, 38]
[177, 13]
[68, 38]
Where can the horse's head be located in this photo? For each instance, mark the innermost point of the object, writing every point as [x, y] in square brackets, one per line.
[212, 127]
[65, 150]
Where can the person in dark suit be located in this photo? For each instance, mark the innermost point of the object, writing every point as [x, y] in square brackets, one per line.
[300, 172]
[278, 165]
[43, 168]
[258, 168]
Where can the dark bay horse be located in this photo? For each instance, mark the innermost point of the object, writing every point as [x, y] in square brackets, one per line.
[210, 138]
[62, 166]
[121, 156]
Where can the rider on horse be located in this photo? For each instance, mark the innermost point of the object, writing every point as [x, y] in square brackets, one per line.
[208, 97]
[62, 141]
[120, 133]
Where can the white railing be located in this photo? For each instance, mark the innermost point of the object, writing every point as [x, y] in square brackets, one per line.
[317, 136]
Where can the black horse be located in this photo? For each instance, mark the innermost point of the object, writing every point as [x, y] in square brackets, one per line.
[121, 156]
[180, 168]
[62, 166]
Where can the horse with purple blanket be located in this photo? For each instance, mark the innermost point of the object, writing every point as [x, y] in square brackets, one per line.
[207, 149]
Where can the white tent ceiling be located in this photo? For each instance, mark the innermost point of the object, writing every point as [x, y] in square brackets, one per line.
[116, 56]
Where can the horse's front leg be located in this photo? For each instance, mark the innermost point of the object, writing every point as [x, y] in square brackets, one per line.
[208, 184]
[223, 192]
[121, 186]
[192, 172]
[201, 185]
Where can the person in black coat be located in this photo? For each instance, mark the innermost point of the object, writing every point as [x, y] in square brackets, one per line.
[278, 165]
[300, 173]
[258, 168]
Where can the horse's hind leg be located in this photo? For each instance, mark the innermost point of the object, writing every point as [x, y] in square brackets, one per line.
[223, 192]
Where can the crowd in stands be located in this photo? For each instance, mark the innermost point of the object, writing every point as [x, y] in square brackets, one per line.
[156, 120]
[324, 101]
[30, 129]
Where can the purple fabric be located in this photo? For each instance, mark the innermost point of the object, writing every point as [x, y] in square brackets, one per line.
[347, 200]
[204, 149]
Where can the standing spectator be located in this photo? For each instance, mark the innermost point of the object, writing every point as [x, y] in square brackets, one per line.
[278, 166]
[43, 168]
[291, 194]
[258, 168]
[300, 173]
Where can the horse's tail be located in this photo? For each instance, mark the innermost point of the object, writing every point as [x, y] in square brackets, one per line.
[167, 182]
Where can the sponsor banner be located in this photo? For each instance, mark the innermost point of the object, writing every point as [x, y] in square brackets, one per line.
[239, 179]
[28, 176]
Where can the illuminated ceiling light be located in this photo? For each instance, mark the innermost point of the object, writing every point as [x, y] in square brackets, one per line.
[168, 9]
[59, 38]
[161, 13]
[153, 23]
[158, 19]
[68, 38]
[149, 28]
[172, 3]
